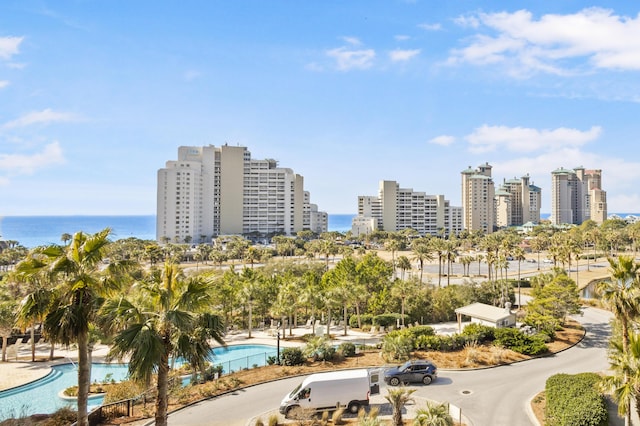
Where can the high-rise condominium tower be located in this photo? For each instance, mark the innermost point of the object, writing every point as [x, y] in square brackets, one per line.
[396, 209]
[517, 202]
[210, 191]
[478, 207]
[576, 196]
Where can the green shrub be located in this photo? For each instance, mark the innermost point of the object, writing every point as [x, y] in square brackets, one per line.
[347, 349]
[397, 347]
[573, 400]
[292, 356]
[482, 333]
[517, 341]
[422, 330]
[384, 320]
[441, 343]
[365, 319]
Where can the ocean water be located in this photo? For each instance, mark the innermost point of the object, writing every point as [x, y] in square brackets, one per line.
[33, 231]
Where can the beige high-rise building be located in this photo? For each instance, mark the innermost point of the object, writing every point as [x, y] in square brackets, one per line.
[396, 209]
[478, 205]
[577, 196]
[210, 191]
[517, 202]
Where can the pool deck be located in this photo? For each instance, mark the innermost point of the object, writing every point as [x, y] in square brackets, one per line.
[19, 370]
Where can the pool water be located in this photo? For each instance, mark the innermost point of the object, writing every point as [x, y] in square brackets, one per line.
[41, 396]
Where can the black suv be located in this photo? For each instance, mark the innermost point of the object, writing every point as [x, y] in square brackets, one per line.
[411, 372]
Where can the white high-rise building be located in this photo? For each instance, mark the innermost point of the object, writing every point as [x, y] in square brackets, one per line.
[576, 196]
[478, 206]
[396, 209]
[517, 203]
[210, 191]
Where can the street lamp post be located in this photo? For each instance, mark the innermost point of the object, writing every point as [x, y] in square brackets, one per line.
[278, 344]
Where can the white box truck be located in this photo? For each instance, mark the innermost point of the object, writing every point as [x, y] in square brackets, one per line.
[328, 391]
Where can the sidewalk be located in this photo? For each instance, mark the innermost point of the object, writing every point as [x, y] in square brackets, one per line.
[19, 370]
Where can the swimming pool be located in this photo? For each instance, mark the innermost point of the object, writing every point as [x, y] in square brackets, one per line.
[41, 396]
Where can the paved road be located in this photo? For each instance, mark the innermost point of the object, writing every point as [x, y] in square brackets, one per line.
[500, 396]
[495, 396]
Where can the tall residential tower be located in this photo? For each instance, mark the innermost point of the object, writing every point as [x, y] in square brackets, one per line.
[396, 209]
[210, 191]
[576, 196]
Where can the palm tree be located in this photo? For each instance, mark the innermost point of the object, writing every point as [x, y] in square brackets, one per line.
[398, 398]
[32, 311]
[421, 252]
[403, 289]
[621, 293]
[249, 279]
[625, 381]
[7, 320]
[393, 245]
[166, 319]
[433, 415]
[76, 269]
[404, 264]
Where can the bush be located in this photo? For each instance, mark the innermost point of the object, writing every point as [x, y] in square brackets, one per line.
[62, 417]
[397, 347]
[365, 319]
[210, 372]
[421, 330]
[481, 333]
[442, 343]
[292, 356]
[517, 341]
[384, 320]
[388, 320]
[320, 349]
[574, 400]
[123, 390]
[347, 349]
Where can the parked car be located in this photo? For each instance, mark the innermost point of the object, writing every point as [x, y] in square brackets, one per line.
[418, 371]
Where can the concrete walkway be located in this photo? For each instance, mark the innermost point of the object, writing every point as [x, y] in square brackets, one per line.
[19, 370]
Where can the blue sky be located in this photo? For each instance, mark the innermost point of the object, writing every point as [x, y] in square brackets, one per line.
[95, 96]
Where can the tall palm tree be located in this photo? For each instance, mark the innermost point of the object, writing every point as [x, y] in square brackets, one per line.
[421, 252]
[76, 268]
[403, 289]
[404, 264]
[167, 318]
[249, 279]
[625, 381]
[621, 293]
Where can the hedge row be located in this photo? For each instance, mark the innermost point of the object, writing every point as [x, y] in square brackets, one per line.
[424, 338]
[573, 400]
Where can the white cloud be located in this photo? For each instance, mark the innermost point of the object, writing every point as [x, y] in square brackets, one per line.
[619, 175]
[352, 59]
[467, 21]
[353, 41]
[591, 38]
[3, 84]
[40, 117]
[521, 139]
[399, 55]
[444, 140]
[9, 46]
[29, 164]
[430, 27]
[401, 37]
